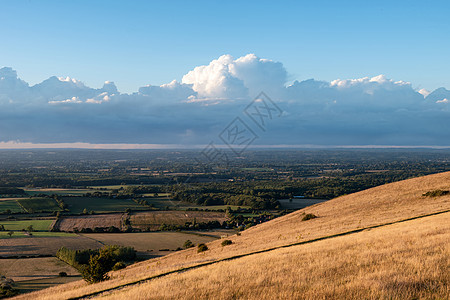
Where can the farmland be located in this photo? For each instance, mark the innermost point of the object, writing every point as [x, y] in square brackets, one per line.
[44, 245]
[71, 223]
[41, 225]
[39, 205]
[155, 201]
[378, 243]
[76, 205]
[10, 205]
[27, 286]
[56, 191]
[34, 268]
[298, 203]
[35, 234]
[152, 220]
[151, 243]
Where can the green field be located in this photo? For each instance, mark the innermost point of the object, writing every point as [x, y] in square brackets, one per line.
[117, 186]
[11, 205]
[100, 205]
[257, 169]
[39, 205]
[163, 202]
[110, 187]
[23, 224]
[20, 234]
[61, 192]
[159, 195]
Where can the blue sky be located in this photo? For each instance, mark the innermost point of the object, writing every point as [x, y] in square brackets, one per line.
[207, 60]
[135, 43]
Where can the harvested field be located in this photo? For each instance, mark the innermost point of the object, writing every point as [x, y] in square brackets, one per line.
[33, 246]
[76, 205]
[34, 268]
[28, 286]
[92, 221]
[150, 243]
[152, 220]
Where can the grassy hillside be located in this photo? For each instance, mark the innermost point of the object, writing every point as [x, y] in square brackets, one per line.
[382, 205]
[401, 261]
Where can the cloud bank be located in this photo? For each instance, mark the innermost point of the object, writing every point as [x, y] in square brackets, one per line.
[365, 111]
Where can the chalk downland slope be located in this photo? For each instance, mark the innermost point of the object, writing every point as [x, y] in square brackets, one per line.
[405, 258]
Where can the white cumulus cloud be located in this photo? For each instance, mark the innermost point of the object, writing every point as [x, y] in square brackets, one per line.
[244, 77]
[369, 110]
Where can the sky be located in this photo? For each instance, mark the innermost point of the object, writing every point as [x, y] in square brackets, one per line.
[184, 74]
[135, 43]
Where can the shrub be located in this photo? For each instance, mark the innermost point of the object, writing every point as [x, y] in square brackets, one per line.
[226, 242]
[202, 248]
[62, 274]
[188, 244]
[7, 288]
[309, 217]
[436, 193]
[119, 265]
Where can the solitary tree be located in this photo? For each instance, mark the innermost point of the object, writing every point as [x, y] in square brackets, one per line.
[10, 233]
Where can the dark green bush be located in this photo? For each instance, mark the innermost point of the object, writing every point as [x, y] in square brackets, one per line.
[62, 274]
[76, 258]
[188, 244]
[202, 248]
[98, 267]
[119, 265]
[309, 217]
[7, 288]
[226, 242]
[436, 193]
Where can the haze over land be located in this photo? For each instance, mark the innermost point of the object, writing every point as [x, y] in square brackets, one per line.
[364, 111]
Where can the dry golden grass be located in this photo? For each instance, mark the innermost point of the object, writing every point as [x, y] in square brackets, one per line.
[380, 205]
[402, 261]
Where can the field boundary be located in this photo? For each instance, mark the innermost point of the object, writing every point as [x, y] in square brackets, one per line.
[184, 269]
[22, 207]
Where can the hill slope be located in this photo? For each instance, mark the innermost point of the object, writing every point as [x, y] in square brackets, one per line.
[401, 261]
[390, 203]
